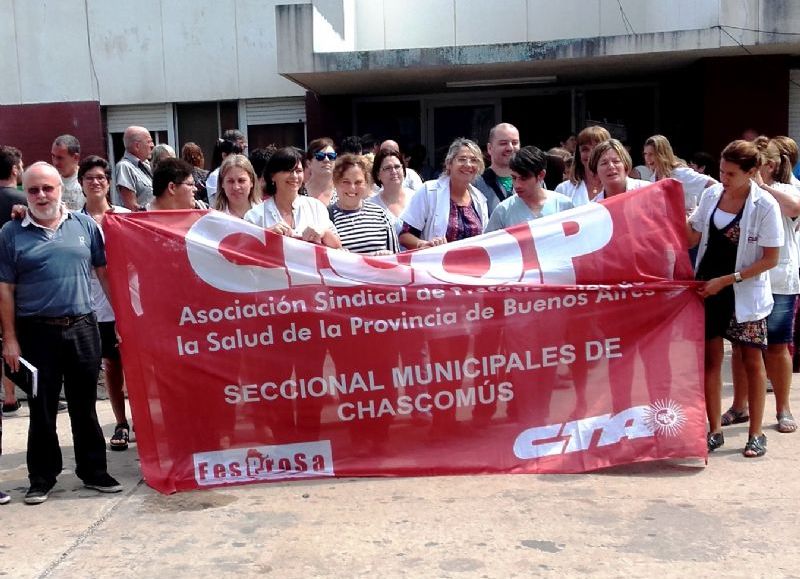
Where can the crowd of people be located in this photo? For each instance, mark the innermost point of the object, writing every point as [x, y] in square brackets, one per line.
[54, 304]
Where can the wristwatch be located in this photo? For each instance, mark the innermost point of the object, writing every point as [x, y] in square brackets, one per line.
[737, 277]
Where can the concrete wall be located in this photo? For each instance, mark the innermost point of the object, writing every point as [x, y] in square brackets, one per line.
[139, 51]
[383, 24]
[387, 25]
[153, 51]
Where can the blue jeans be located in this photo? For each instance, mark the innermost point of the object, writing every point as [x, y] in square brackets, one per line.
[780, 322]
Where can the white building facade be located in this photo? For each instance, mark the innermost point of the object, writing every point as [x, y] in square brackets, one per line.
[419, 71]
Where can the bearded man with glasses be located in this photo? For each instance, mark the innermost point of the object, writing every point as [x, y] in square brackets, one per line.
[46, 310]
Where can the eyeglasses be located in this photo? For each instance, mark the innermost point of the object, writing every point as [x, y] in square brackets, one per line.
[389, 168]
[190, 184]
[44, 189]
[99, 178]
[467, 160]
[320, 156]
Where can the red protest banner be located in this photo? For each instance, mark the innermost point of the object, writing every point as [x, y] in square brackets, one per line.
[567, 344]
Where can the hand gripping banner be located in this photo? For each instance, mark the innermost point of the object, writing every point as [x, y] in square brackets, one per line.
[566, 344]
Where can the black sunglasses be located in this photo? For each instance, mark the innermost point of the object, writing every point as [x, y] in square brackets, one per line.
[320, 156]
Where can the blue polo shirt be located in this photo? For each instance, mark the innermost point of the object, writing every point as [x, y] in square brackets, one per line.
[50, 269]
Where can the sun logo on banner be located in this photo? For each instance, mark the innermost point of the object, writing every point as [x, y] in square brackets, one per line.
[664, 418]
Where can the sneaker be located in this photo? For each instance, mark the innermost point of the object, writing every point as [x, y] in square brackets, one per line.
[62, 406]
[105, 483]
[11, 407]
[37, 494]
[4, 498]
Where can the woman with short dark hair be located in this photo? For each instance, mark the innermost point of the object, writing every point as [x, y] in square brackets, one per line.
[389, 172]
[285, 211]
[94, 175]
[320, 157]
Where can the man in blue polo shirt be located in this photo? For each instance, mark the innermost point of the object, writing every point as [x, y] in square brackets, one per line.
[46, 313]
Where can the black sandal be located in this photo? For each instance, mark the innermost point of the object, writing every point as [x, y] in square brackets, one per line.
[714, 440]
[121, 436]
[733, 416]
[757, 446]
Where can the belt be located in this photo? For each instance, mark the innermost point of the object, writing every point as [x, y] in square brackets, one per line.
[62, 321]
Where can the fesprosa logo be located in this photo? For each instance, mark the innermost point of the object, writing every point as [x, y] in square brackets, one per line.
[264, 463]
[661, 418]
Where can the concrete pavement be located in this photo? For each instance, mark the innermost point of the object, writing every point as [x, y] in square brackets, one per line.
[735, 518]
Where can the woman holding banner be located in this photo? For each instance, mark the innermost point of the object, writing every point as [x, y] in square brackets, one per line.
[774, 178]
[611, 163]
[442, 211]
[449, 208]
[285, 211]
[739, 229]
[363, 227]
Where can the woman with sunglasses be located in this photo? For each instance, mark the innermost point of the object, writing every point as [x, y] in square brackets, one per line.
[320, 156]
[285, 211]
[94, 175]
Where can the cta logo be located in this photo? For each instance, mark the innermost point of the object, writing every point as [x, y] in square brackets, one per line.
[264, 463]
[662, 418]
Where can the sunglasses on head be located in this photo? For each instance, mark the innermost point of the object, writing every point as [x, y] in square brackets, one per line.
[320, 156]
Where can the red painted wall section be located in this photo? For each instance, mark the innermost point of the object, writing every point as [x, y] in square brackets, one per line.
[32, 128]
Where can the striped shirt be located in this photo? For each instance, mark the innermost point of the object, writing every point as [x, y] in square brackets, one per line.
[365, 230]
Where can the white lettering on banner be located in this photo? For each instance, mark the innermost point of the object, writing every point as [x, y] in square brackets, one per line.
[555, 248]
[662, 418]
[424, 402]
[313, 387]
[557, 238]
[264, 463]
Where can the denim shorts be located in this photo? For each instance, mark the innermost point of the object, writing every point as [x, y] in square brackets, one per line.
[780, 323]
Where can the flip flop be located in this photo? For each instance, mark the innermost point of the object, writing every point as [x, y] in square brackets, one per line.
[733, 416]
[120, 439]
[786, 423]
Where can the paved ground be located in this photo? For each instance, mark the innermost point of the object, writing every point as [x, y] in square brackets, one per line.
[734, 518]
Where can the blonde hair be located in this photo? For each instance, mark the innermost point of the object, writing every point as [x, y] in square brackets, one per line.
[788, 147]
[221, 201]
[666, 161]
[610, 145]
[455, 147]
[771, 152]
